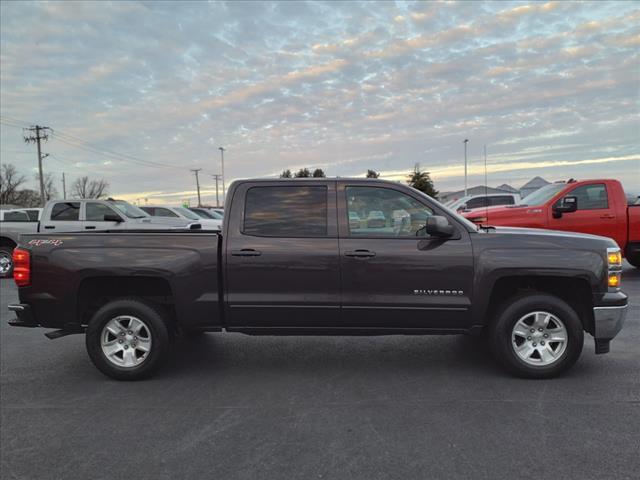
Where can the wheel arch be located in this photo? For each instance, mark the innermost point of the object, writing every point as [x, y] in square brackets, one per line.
[575, 290]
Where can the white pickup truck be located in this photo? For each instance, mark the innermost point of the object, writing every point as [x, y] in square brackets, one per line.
[76, 216]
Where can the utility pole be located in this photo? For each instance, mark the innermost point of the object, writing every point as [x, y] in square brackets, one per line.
[64, 188]
[216, 176]
[465, 166]
[222, 160]
[196, 170]
[40, 134]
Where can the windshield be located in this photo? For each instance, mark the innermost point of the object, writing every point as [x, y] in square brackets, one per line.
[214, 214]
[187, 213]
[128, 210]
[542, 195]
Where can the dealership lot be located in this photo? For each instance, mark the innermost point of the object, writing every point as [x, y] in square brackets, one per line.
[234, 406]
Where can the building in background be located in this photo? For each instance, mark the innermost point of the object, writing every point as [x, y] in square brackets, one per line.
[532, 185]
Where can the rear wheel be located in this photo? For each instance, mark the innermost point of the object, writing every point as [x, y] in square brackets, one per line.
[6, 261]
[127, 339]
[537, 336]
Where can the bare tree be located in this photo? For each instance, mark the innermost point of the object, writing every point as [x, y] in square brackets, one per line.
[10, 181]
[85, 188]
[50, 191]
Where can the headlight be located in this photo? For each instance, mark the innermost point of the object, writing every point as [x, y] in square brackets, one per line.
[614, 270]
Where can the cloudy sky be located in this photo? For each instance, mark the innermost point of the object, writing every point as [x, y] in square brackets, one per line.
[140, 93]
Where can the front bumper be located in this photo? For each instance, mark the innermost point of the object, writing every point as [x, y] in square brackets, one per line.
[608, 321]
[24, 316]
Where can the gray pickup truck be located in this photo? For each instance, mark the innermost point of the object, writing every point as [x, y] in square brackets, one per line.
[301, 257]
[76, 216]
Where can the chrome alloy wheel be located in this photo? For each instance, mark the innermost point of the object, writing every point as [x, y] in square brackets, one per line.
[539, 338]
[126, 341]
[6, 262]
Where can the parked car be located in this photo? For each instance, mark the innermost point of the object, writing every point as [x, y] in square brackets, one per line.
[481, 201]
[74, 216]
[287, 263]
[183, 213]
[376, 219]
[354, 220]
[599, 207]
[208, 213]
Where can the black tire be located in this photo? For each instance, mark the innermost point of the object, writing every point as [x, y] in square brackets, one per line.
[154, 320]
[519, 306]
[634, 260]
[6, 252]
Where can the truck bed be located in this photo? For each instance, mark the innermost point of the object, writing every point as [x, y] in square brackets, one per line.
[179, 268]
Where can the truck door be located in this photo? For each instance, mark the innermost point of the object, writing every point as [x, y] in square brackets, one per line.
[393, 274]
[281, 251]
[595, 213]
[65, 217]
[94, 217]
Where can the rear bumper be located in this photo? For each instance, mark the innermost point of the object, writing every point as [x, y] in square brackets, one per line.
[24, 316]
[608, 321]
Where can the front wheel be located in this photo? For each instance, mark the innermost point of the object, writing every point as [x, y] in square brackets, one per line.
[127, 339]
[537, 336]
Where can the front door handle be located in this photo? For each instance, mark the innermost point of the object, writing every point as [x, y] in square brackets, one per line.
[49, 227]
[360, 253]
[246, 252]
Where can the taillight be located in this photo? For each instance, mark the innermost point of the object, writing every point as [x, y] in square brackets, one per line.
[21, 267]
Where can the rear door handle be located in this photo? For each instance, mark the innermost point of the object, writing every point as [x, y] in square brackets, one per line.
[49, 227]
[360, 253]
[246, 252]
[90, 227]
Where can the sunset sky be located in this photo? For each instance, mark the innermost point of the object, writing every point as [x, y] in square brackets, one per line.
[140, 93]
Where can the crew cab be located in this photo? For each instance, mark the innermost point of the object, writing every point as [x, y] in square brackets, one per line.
[291, 261]
[74, 216]
[598, 207]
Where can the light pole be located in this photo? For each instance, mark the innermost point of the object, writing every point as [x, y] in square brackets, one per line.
[465, 166]
[222, 160]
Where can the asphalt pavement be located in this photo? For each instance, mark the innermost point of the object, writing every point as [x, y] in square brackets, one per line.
[229, 406]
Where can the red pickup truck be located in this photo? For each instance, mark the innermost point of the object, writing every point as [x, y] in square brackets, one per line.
[598, 207]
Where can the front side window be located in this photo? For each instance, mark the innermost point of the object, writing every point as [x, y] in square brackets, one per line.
[376, 211]
[286, 211]
[96, 212]
[590, 197]
[186, 213]
[65, 211]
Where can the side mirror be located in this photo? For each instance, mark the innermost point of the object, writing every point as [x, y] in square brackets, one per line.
[438, 226]
[461, 208]
[111, 217]
[567, 205]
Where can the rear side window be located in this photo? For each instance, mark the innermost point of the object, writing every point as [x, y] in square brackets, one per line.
[67, 211]
[286, 211]
[16, 217]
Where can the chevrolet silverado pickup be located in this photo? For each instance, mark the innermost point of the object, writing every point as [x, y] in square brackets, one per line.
[302, 257]
[77, 215]
[599, 207]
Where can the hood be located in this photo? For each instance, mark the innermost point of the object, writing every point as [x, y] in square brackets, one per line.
[164, 222]
[502, 211]
[539, 235]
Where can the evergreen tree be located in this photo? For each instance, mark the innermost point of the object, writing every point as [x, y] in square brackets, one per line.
[303, 173]
[421, 180]
[286, 174]
[318, 173]
[373, 174]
